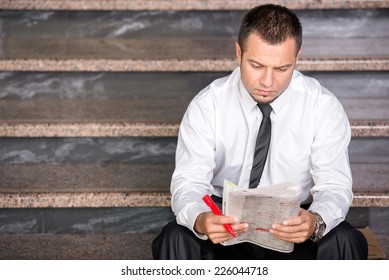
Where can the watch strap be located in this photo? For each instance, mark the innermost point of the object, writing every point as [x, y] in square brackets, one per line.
[319, 227]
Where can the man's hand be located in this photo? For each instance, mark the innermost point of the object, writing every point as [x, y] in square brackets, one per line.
[296, 230]
[213, 226]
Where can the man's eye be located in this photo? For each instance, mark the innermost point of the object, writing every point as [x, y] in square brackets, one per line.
[282, 69]
[255, 66]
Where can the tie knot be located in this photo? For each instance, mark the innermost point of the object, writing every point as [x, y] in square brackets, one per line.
[265, 109]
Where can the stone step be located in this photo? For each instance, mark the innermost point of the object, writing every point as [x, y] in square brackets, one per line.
[140, 150]
[180, 55]
[142, 117]
[163, 85]
[183, 4]
[76, 246]
[348, 23]
[150, 104]
[131, 185]
[133, 41]
[132, 220]
[114, 246]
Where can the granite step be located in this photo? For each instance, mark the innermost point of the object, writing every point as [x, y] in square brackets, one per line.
[97, 104]
[132, 41]
[111, 246]
[347, 23]
[91, 55]
[142, 117]
[125, 246]
[136, 150]
[132, 185]
[162, 85]
[183, 4]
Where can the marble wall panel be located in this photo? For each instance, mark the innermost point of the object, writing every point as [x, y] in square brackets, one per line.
[87, 150]
[133, 220]
[61, 24]
[84, 220]
[141, 150]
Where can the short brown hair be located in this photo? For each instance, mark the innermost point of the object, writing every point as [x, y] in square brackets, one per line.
[273, 23]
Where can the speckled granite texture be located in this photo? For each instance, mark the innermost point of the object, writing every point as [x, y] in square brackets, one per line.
[133, 199]
[92, 246]
[151, 65]
[185, 4]
[158, 117]
[67, 62]
[130, 185]
[76, 247]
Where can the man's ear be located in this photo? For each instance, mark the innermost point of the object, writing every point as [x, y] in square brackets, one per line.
[298, 55]
[238, 52]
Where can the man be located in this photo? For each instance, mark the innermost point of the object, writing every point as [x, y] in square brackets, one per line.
[307, 140]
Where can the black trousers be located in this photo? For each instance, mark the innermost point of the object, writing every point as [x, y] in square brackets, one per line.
[176, 242]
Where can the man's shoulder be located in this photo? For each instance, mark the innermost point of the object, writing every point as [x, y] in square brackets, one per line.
[305, 83]
[218, 90]
[311, 88]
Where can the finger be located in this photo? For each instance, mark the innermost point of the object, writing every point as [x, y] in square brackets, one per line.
[303, 217]
[240, 227]
[291, 228]
[295, 237]
[224, 219]
[219, 237]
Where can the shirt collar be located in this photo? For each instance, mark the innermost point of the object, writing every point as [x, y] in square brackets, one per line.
[248, 102]
[281, 100]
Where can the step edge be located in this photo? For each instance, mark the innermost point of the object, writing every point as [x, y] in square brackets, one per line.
[182, 5]
[178, 65]
[362, 128]
[136, 199]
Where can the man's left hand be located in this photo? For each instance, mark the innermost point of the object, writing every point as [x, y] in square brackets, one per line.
[296, 230]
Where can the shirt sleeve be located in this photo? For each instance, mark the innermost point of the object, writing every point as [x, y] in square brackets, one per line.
[331, 173]
[194, 163]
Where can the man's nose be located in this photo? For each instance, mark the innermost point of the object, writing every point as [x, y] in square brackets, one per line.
[267, 78]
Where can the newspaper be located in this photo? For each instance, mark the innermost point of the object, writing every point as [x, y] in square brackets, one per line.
[260, 208]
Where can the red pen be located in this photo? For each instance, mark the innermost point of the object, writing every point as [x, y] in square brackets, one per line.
[211, 204]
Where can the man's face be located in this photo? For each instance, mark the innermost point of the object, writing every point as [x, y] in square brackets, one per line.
[266, 70]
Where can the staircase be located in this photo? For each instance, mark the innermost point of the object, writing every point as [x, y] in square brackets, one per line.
[92, 93]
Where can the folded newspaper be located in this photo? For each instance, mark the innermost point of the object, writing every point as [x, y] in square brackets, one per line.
[260, 208]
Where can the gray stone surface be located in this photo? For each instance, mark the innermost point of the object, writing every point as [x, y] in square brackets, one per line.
[122, 41]
[185, 5]
[344, 23]
[140, 150]
[91, 247]
[84, 220]
[76, 247]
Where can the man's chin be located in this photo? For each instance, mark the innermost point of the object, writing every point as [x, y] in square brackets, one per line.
[264, 99]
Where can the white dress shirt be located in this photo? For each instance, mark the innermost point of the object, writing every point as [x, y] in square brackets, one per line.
[309, 147]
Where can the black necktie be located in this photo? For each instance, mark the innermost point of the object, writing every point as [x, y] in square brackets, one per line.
[261, 145]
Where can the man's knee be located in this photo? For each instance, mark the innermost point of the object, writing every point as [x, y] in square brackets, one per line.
[343, 242]
[167, 238]
[176, 242]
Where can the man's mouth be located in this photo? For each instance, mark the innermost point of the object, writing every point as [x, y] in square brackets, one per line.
[263, 92]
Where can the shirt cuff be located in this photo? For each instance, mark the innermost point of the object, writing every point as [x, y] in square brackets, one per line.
[189, 218]
[330, 218]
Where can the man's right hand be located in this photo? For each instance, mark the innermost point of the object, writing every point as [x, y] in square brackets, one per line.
[213, 226]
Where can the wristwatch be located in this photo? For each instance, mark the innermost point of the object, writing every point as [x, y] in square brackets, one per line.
[320, 227]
